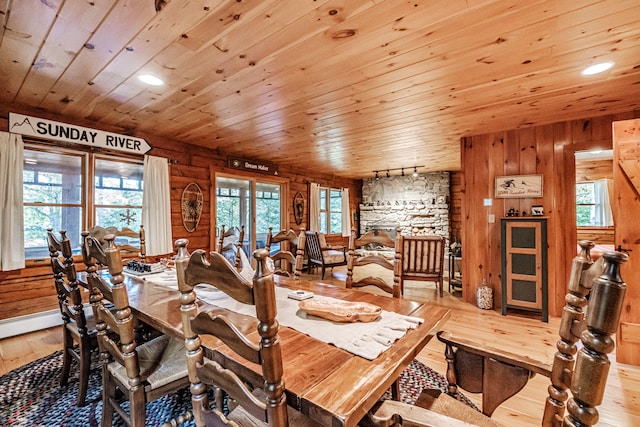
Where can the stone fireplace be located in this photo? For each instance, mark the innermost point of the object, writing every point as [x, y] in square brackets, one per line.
[415, 205]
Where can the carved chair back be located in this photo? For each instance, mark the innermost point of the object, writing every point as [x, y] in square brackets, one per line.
[125, 239]
[284, 260]
[375, 244]
[230, 243]
[195, 270]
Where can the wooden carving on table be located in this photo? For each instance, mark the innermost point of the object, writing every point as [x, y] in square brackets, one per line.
[191, 205]
[298, 208]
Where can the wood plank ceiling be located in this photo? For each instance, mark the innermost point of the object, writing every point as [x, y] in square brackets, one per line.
[343, 87]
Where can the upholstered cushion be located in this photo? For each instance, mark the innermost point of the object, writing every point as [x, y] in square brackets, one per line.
[162, 361]
[373, 270]
[322, 240]
[444, 404]
[332, 257]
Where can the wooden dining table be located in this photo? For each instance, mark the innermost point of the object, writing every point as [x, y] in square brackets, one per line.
[328, 384]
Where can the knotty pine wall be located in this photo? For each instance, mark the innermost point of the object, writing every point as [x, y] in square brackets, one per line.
[31, 290]
[547, 150]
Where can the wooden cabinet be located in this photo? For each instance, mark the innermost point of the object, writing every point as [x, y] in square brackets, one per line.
[524, 264]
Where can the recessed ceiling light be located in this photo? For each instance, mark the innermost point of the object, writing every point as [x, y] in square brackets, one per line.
[597, 68]
[150, 80]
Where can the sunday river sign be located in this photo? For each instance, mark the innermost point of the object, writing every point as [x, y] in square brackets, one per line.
[41, 128]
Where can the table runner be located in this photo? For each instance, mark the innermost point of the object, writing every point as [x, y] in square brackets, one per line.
[367, 340]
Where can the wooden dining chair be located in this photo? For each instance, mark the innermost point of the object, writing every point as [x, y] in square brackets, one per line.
[375, 244]
[230, 243]
[123, 237]
[78, 329]
[423, 259]
[133, 372]
[266, 404]
[499, 375]
[284, 261]
[321, 255]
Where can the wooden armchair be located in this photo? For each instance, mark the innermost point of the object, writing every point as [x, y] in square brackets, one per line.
[78, 328]
[422, 259]
[248, 407]
[321, 255]
[133, 372]
[125, 239]
[387, 272]
[284, 261]
[500, 375]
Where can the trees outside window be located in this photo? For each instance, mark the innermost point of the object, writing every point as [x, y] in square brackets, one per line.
[56, 195]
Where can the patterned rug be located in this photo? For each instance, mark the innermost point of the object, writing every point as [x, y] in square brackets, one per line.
[32, 396]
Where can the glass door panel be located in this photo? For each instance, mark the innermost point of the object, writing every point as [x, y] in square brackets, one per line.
[255, 204]
[268, 212]
[234, 206]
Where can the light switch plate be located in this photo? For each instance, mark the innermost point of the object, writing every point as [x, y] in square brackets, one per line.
[488, 202]
[492, 218]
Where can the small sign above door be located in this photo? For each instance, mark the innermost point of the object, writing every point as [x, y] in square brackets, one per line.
[252, 165]
[57, 131]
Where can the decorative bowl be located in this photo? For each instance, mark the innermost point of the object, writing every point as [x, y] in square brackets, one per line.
[341, 311]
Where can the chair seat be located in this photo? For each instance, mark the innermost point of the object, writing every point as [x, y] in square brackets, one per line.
[333, 257]
[162, 361]
[244, 419]
[90, 324]
[444, 404]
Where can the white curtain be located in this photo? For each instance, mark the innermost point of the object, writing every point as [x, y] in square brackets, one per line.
[314, 206]
[156, 206]
[602, 211]
[11, 204]
[346, 213]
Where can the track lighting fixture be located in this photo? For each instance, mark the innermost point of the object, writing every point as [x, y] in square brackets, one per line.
[388, 171]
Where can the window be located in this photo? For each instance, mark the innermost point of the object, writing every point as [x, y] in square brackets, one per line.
[330, 221]
[56, 195]
[592, 204]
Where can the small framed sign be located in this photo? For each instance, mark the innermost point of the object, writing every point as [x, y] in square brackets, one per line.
[519, 186]
[537, 211]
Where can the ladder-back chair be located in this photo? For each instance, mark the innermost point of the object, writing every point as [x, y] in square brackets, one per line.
[267, 406]
[583, 377]
[230, 245]
[289, 241]
[78, 328]
[125, 239]
[386, 272]
[133, 372]
[422, 259]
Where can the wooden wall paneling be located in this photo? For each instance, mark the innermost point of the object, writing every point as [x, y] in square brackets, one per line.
[545, 153]
[494, 164]
[528, 164]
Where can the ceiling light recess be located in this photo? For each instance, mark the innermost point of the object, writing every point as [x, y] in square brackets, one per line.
[150, 80]
[597, 68]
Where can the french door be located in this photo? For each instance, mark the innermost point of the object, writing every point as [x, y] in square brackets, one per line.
[254, 203]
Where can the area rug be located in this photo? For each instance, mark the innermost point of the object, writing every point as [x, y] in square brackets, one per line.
[32, 396]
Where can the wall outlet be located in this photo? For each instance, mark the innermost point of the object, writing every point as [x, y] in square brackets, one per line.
[492, 218]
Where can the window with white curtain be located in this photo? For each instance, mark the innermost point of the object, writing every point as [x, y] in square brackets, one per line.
[57, 194]
[593, 207]
[330, 204]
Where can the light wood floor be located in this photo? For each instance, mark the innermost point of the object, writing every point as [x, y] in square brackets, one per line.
[620, 408]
